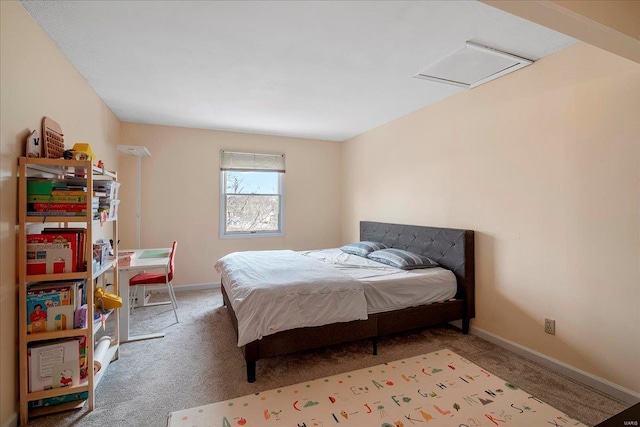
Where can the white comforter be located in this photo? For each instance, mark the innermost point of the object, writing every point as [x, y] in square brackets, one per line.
[273, 291]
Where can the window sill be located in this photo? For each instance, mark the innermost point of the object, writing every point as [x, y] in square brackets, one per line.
[251, 235]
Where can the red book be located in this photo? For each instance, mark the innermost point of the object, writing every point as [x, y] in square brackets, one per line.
[59, 207]
[81, 233]
[52, 253]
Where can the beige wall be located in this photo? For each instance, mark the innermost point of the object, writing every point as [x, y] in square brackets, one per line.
[181, 194]
[545, 165]
[36, 80]
[181, 179]
[622, 15]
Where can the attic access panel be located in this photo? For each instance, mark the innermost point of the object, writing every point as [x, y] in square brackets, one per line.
[472, 66]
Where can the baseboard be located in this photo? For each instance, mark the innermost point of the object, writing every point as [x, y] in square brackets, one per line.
[196, 287]
[180, 288]
[12, 421]
[593, 381]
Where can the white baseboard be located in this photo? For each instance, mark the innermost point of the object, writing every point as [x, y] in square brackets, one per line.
[600, 384]
[197, 287]
[180, 288]
[12, 421]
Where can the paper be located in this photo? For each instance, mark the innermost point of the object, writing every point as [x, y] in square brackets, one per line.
[47, 359]
[45, 362]
[155, 253]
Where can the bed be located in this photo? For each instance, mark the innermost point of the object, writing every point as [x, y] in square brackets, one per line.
[452, 249]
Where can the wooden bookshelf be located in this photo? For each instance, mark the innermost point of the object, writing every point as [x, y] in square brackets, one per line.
[58, 169]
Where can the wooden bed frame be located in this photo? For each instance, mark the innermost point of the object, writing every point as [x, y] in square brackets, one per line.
[451, 248]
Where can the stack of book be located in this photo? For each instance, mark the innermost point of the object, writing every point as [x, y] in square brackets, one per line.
[59, 198]
[125, 258]
[109, 202]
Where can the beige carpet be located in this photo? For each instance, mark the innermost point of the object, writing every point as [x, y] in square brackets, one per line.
[198, 363]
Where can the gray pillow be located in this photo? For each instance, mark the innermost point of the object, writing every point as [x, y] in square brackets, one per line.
[362, 248]
[402, 259]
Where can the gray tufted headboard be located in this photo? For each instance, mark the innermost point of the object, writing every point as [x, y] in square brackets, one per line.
[451, 248]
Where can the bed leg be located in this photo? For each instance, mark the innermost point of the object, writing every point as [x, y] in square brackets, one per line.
[375, 346]
[251, 371]
[465, 326]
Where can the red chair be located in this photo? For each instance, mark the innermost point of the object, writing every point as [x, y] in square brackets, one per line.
[146, 279]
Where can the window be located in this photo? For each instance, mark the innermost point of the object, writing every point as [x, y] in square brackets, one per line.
[251, 195]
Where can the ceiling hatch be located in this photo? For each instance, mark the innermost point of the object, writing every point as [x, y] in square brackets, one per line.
[472, 66]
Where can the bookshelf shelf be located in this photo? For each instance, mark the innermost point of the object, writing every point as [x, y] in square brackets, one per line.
[53, 218]
[97, 323]
[44, 336]
[59, 276]
[67, 406]
[111, 263]
[82, 229]
[55, 392]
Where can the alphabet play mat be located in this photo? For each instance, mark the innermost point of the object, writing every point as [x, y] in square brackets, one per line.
[435, 389]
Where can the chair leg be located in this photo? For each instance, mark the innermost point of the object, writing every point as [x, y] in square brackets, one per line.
[132, 298]
[172, 296]
[175, 300]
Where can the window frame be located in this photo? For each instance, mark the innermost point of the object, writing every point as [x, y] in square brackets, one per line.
[224, 234]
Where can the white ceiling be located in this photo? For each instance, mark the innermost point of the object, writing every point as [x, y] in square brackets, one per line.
[313, 69]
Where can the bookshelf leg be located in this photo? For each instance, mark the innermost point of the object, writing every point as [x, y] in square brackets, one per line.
[251, 371]
[24, 414]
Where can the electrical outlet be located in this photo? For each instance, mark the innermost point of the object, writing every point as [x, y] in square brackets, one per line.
[550, 326]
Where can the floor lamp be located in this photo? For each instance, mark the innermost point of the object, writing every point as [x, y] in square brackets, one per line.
[139, 152]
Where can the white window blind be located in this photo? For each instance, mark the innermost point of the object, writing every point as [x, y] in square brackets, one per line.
[234, 161]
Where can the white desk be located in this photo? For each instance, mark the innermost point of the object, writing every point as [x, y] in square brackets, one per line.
[125, 273]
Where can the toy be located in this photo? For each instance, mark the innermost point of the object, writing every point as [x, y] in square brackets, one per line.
[82, 151]
[53, 139]
[106, 300]
[34, 148]
[81, 317]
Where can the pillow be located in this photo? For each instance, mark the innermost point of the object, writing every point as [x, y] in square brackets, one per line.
[362, 248]
[402, 259]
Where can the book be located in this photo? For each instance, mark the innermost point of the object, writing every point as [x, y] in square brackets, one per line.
[66, 292]
[52, 401]
[41, 198]
[60, 318]
[44, 214]
[100, 252]
[51, 306]
[66, 374]
[62, 192]
[53, 358]
[84, 372]
[37, 306]
[125, 258]
[67, 288]
[49, 258]
[82, 237]
[57, 207]
[75, 181]
[43, 186]
[51, 253]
